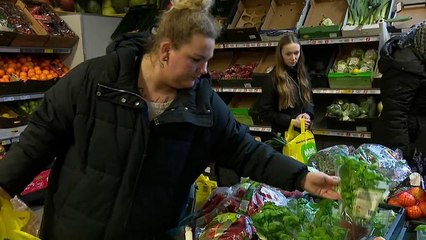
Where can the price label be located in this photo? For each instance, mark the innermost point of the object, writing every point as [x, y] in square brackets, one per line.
[7, 99]
[48, 50]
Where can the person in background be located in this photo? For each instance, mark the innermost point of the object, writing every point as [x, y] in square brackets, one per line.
[128, 134]
[402, 122]
[288, 95]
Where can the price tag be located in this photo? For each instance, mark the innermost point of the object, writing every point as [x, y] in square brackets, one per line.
[7, 99]
[346, 91]
[5, 142]
[48, 50]
[24, 97]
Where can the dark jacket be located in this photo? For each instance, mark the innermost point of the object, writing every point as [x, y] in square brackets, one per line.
[402, 122]
[267, 105]
[117, 175]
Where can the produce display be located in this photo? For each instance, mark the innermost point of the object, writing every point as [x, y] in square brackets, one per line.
[251, 210]
[12, 19]
[412, 198]
[358, 62]
[236, 71]
[29, 67]
[347, 111]
[48, 19]
[367, 11]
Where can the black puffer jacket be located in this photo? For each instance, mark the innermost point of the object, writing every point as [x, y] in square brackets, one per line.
[117, 175]
[267, 106]
[402, 123]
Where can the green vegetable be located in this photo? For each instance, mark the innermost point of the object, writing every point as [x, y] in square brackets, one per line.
[355, 175]
[367, 11]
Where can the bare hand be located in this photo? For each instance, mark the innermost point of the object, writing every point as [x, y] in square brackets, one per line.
[321, 184]
[307, 118]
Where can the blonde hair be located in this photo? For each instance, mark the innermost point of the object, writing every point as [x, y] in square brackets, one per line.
[287, 91]
[184, 19]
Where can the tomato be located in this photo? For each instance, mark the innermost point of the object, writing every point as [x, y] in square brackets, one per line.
[417, 192]
[406, 199]
[413, 212]
[422, 206]
[394, 202]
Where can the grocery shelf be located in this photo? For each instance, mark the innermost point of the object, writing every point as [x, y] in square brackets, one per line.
[345, 91]
[302, 42]
[260, 128]
[342, 133]
[320, 127]
[238, 90]
[20, 97]
[6, 49]
[10, 135]
[9, 141]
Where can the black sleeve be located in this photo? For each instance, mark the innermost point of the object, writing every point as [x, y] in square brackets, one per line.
[49, 128]
[236, 149]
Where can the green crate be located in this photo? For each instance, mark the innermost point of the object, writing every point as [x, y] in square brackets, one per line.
[349, 81]
[320, 32]
[242, 116]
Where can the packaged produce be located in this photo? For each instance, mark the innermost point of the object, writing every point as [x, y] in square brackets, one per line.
[325, 159]
[389, 162]
[229, 226]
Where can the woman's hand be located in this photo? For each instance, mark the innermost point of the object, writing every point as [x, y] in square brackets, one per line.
[307, 118]
[321, 184]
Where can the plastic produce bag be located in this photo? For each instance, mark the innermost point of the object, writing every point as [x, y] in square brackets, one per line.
[13, 221]
[389, 162]
[205, 187]
[324, 160]
[229, 226]
[362, 188]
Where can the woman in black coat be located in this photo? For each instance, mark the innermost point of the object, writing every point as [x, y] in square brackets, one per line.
[288, 95]
[402, 123]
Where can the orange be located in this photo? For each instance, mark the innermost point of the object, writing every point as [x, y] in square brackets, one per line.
[10, 70]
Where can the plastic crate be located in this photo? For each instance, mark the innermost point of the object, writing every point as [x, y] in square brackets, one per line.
[242, 116]
[349, 81]
[319, 63]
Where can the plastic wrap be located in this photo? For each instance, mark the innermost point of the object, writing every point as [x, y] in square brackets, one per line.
[324, 160]
[17, 221]
[16, 19]
[247, 197]
[362, 188]
[228, 226]
[389, 162]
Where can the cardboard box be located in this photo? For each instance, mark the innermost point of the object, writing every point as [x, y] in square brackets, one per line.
[417, 11]
[267, 63]
[242, 58]
[283, 16]
[54, 41]
[336, 10]
[34, 40]
[364, 30]
[10, 119]
[248, 18]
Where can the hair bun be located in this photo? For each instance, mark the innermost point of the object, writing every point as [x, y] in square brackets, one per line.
[192, 4]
